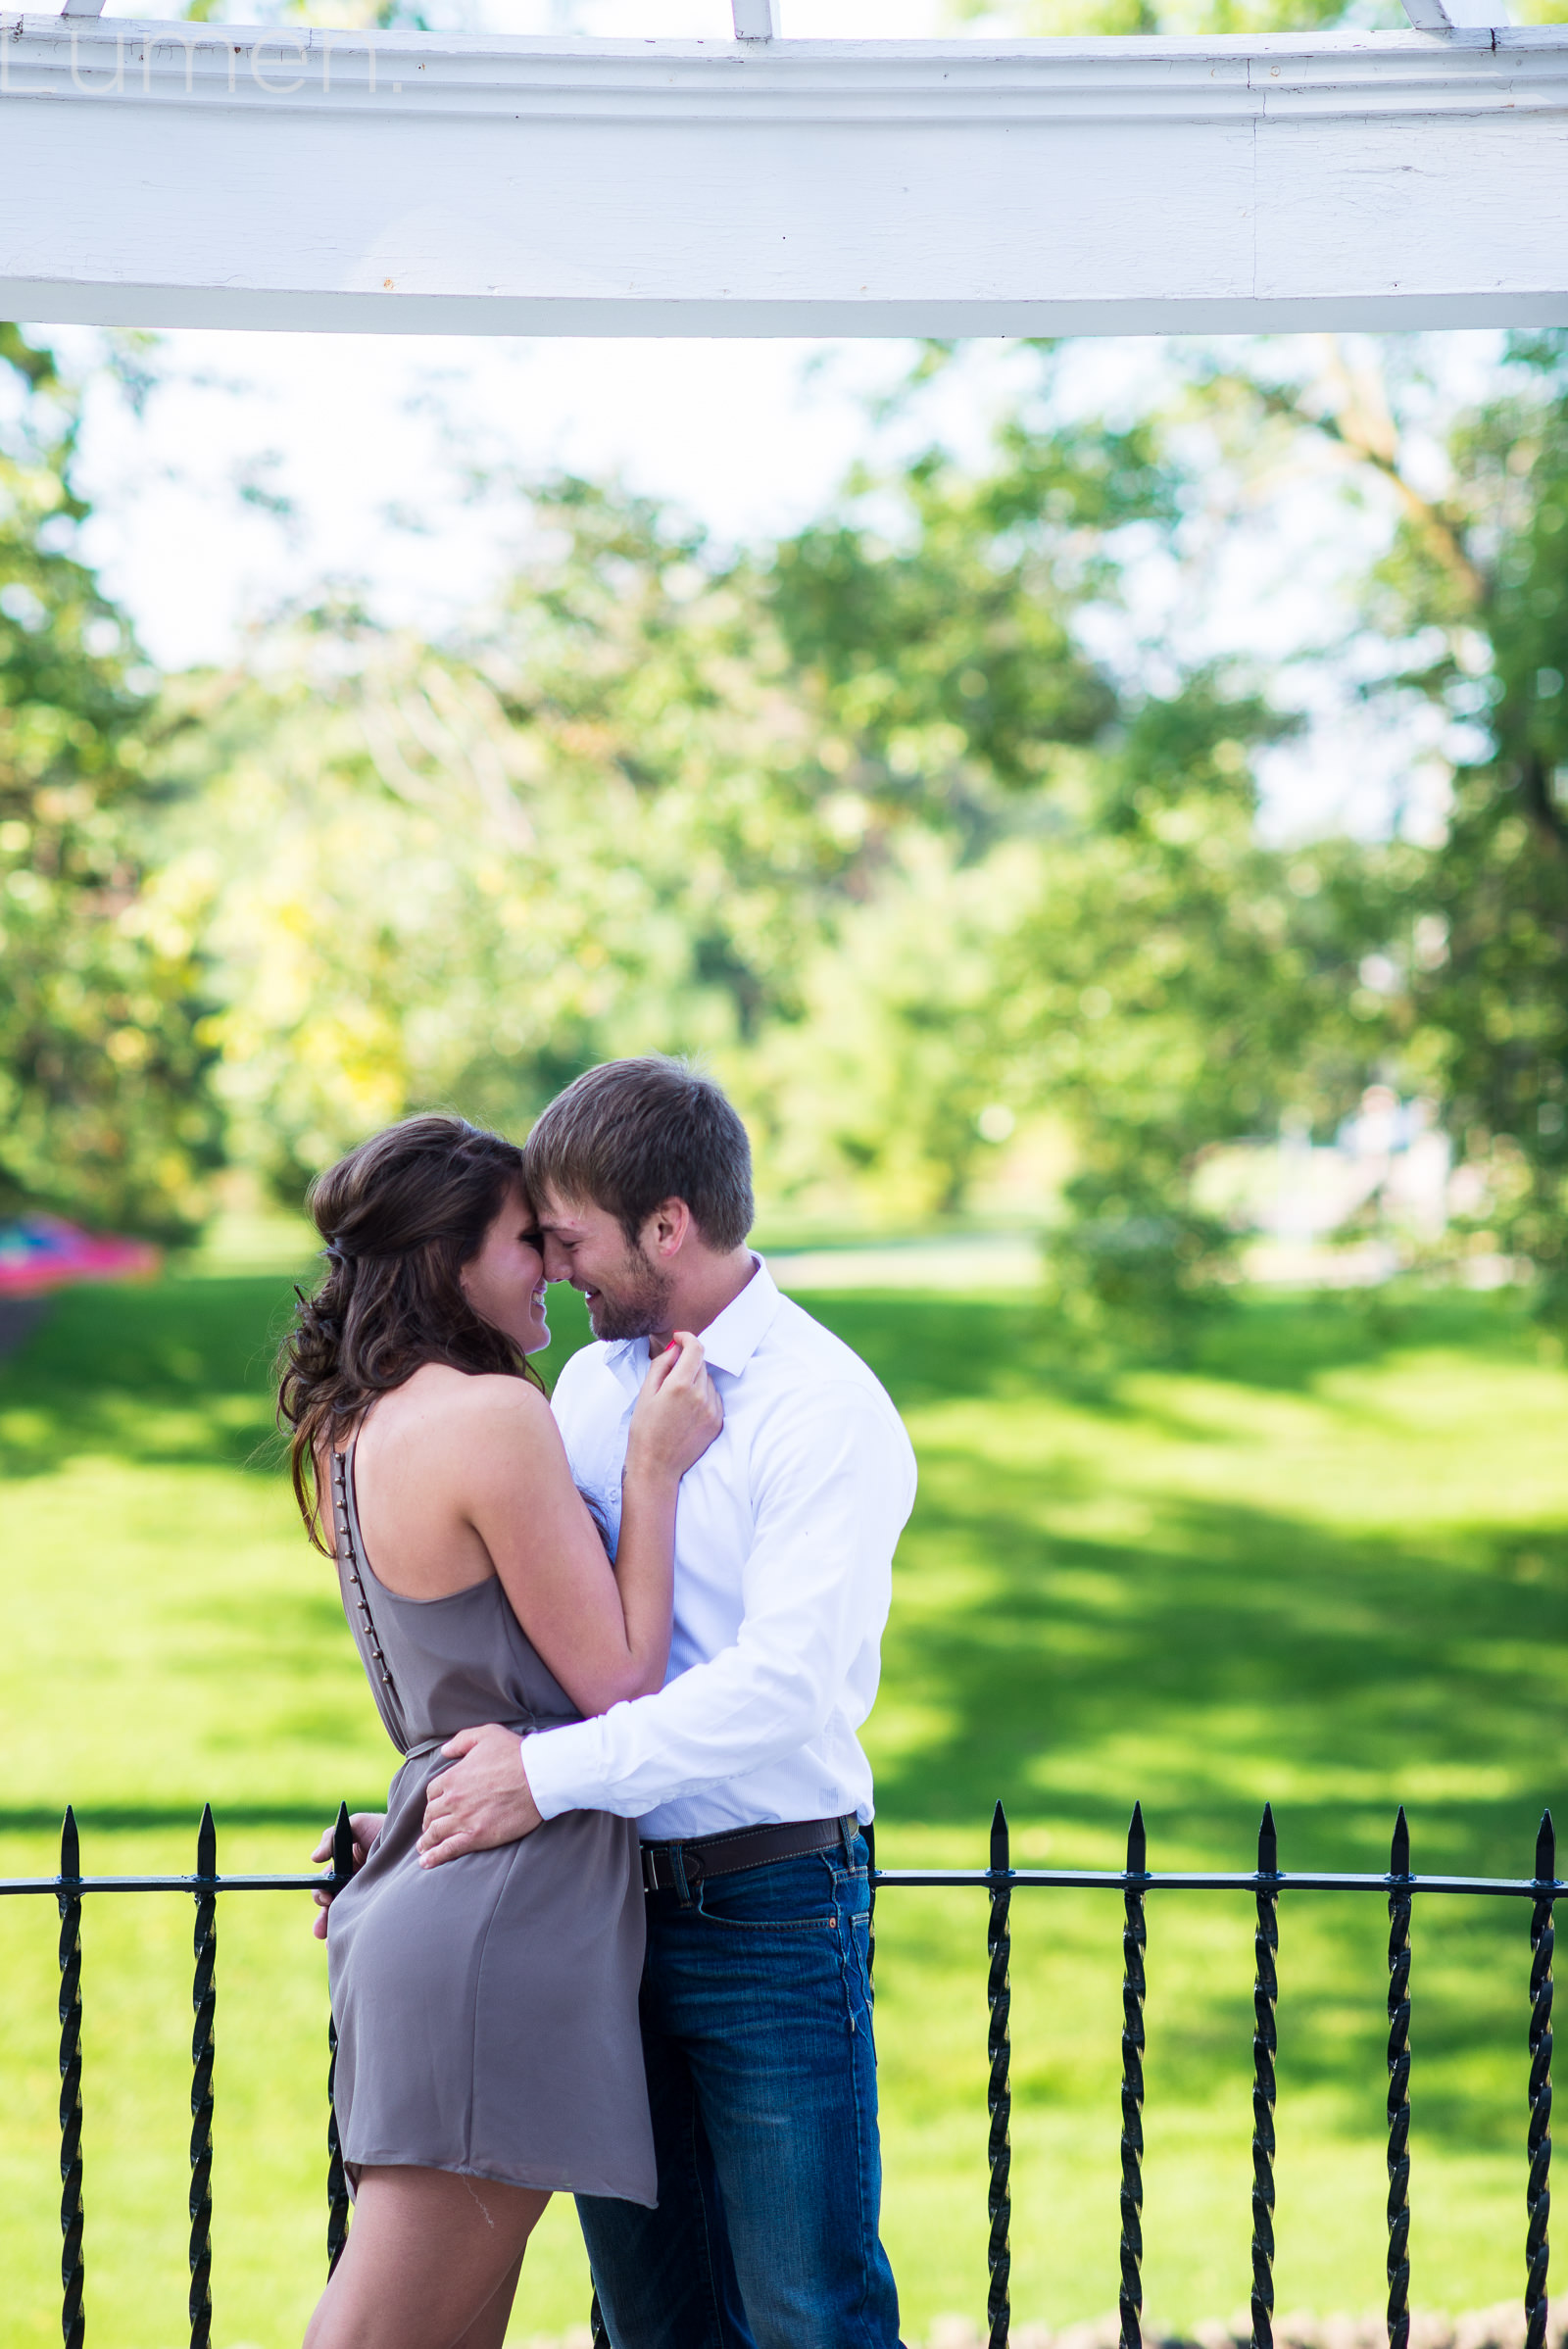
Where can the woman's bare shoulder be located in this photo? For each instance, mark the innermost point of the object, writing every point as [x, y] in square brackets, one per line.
[483, 1404]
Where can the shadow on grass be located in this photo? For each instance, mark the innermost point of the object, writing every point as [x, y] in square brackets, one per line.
[1337, 1682]
[1229, 1654]
[1252, 1652]
[1230, 1635]
[177, 1372]
[1232, 1645]
[171, 1370]
[930, 1349]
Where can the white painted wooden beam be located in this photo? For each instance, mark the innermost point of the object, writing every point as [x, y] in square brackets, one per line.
[1443, 15]
[756, 19]
[167, 174]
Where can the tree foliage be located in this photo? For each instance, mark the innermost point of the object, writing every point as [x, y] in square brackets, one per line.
[1121, 953]
[873, 819]
[1489, 632]
[460, 874]
[1472, 603]
[865, 821]
[101, 1102]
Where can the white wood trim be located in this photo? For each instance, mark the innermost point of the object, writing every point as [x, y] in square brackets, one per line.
[1449, 15]
[165, 174]
[756, 19]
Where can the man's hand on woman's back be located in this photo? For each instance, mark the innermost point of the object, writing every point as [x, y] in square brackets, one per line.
[483, 1800]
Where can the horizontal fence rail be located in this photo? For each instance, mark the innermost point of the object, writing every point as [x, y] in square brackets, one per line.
[1000, 1881]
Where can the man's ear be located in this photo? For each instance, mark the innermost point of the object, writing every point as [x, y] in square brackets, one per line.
[668, 1229]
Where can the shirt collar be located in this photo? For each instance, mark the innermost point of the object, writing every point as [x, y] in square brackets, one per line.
[729, 1340]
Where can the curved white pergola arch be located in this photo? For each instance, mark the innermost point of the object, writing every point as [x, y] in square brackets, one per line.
[161, 175]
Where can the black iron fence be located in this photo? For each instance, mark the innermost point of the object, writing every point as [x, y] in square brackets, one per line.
[1000, 1881]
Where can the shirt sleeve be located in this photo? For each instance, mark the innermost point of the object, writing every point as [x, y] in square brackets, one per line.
[832, 1485]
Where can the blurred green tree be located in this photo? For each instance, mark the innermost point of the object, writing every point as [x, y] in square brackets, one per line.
[861, 818]
[102, 1106]
[1471, 601]
[1109, 941]
[1070, 17]
[1480, 591]
[1192, 17]
[599, 823]
[865, 819]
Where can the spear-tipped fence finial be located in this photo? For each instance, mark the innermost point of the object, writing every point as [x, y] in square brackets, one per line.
[342, 1849]
[1000, 1843]
[1399, 1847]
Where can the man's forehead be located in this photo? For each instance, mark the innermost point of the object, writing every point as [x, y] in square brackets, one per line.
[566, 1216]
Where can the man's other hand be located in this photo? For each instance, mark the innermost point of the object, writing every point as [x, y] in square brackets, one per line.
[485, 1801]
[365, 1826]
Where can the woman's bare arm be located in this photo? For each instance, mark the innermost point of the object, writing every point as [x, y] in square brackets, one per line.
[603, 1630]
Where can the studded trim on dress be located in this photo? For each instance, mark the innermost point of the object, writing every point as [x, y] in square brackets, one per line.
[348, 1553]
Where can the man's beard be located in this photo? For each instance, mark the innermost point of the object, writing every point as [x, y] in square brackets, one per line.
[638, 1305]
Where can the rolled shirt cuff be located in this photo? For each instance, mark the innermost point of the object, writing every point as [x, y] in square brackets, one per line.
[563, 1768]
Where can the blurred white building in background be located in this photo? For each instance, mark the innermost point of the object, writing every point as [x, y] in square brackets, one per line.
[1350, 1211]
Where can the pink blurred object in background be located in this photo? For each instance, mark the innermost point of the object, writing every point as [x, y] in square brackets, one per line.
[40, 1252]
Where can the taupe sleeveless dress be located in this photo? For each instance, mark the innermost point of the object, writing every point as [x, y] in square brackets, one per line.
[486, 2010]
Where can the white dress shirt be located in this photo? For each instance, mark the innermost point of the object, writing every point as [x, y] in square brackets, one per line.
[784, 1539]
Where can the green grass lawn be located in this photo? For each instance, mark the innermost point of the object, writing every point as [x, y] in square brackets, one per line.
[1325, 1564]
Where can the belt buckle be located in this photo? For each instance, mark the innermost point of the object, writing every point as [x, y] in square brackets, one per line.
[648, 1855]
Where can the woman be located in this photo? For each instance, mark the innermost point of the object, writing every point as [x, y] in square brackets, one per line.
[488, 2048]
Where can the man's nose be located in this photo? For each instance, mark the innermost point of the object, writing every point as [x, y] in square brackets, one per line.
[557, 1265]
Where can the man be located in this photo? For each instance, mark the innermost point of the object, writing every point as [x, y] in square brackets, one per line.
[745, 1771]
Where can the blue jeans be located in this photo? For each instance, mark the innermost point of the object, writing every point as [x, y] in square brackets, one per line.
[761, 2073]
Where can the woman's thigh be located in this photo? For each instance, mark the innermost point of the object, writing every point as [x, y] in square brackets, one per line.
[429, 2260]
[489, 2329]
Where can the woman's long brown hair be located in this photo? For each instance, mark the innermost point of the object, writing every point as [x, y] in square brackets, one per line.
[401, 1216]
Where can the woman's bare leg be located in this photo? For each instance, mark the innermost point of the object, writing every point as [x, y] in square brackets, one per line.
[489, 2329]
[431, 2263]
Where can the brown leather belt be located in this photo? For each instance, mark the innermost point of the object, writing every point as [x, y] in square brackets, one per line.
[739, 1847]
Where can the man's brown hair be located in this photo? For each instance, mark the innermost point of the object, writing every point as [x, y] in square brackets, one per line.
[634, 1133]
